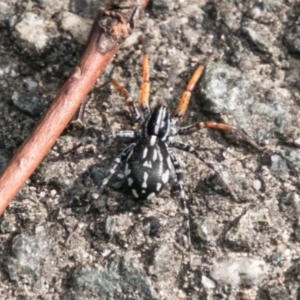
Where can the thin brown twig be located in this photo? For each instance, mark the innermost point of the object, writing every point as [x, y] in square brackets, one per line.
[110, 28]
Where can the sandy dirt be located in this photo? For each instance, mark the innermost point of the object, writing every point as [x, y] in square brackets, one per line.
[248, 249]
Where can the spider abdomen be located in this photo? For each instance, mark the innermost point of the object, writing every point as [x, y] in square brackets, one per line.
[147, 168]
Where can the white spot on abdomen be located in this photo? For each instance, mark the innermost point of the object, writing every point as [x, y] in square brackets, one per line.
[145, 152]
[158, 187]
[154, 158]
[147, 164]
[129, 181]
[165, 176]
[150, 196]
[135, 194]
[153, 140]
[145, 177]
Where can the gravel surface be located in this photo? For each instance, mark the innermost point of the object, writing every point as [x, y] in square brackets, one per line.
[128, 250]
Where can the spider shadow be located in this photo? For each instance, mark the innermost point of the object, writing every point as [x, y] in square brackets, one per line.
[115, 200]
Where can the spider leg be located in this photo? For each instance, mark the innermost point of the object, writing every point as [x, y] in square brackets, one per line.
[120, 134]
[216, 126]
[196, 153]
[210, 125]
[109, 136]
[105, 181]
[129, 102]
[185, 210]
[145, 85]
[186, 96]
[114, 166]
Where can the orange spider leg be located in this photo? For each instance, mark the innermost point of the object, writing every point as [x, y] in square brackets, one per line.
[128, 101]
[210, 125]
[214, 125]
[227, 127]
[145, 86]
[218, 126]
[123, 92]
[186, 96]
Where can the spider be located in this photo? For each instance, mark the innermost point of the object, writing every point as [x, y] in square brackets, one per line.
[149, 160]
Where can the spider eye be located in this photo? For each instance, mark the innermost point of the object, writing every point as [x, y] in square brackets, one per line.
[159, 122]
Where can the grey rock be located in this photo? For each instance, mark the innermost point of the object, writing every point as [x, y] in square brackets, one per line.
[121, 278]
[28, 103]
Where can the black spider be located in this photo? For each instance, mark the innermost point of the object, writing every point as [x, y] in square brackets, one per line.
[149, 160]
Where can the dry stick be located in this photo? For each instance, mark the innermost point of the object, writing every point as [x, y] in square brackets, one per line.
[110, 28]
